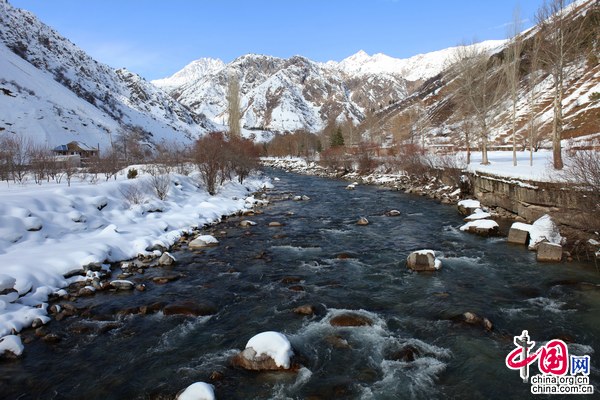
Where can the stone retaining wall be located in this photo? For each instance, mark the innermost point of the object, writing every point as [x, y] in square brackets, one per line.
[531, 200]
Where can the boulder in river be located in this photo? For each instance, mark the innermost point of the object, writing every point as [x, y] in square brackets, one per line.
[482, 227]
[267, 351]
[121, 284]
[203, 241]
[166, 259]
[189, 308]
[247, 223]
[549, 252]
[423, 260]
[350, 319]
[362, 221]
[519, 233]
[274, 224]
[197, 391]
[393, 213]
[474, 319]
[468, 207]
[11, 346]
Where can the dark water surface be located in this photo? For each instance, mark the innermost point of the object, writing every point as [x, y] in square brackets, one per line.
[154, 356]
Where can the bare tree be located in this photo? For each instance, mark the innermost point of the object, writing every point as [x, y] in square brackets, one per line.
[160, 179]
[532, 81]
[512, 69]
[477, 89]
[16, 150]
[560, 44]
[233, 108]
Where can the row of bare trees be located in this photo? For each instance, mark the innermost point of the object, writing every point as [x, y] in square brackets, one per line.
[480, 82]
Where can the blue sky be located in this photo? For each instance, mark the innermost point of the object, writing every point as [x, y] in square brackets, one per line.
[157, 38]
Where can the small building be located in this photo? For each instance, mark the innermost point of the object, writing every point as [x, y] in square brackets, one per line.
[80, 150]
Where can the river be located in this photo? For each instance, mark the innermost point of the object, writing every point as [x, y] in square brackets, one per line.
[258, 275]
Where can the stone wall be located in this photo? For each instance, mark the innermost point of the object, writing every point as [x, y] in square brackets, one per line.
[531, 200]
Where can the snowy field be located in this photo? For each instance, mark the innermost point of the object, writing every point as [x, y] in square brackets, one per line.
[49, 230]
[501, 164]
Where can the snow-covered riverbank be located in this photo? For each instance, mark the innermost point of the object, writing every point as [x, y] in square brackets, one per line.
[47, 231]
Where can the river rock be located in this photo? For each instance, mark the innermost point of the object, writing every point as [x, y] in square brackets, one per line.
[393, 213]
[203, 241]
[189, 308]
[406, 354]
[197, 391]
[519, 233]
[11, 347]
[474, 319]
[306, 309]
[267, 351]
[468, 207]
[161, 280]
[166, 259]
[121, 284]
[423, 260]
[362, 221]
[274, 224]
[482, 227]
[350, 319]
[247, 223]
[549, 252]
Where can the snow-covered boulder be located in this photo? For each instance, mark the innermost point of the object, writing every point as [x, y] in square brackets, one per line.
[247, 223]
[467, 207]
[393, 213]
[519, 233]
[423, 260]
[266, 351]
[121, 284]
[478, 214]
[549, 252]
[362, 221]
[203, 241]
[7, 283]
[544, 230]
[11, 346]
[197, 391]
[483, 227]
[166, 259]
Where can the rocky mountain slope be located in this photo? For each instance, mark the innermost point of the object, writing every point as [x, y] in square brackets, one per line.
[581, 107]
[53, 92]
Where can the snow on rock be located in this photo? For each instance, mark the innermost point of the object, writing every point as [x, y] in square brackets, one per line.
[198, 391]
[203, 241]
[542, 230]
[478, 214]
[91, 224]
[266, 351]
[12, 345]
[483, 227]
[423, 260]
[467, 207]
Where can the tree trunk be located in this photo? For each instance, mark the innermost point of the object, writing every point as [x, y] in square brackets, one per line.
[557, 125]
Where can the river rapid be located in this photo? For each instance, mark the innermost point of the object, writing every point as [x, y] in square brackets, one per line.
[416, 347]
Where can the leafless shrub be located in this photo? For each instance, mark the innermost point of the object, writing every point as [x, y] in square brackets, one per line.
[134, 192]
[583, 171]
[160, 179]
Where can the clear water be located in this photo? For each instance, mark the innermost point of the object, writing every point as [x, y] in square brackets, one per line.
[155, 356]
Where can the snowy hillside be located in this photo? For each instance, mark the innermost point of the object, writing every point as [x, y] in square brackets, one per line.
[101, 101]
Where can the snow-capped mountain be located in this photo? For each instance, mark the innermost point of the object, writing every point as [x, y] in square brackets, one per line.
[416, 68]
[54, 92]
[297, 93]
[282, 94]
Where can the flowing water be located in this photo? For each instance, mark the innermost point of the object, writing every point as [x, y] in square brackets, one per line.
[337, 266]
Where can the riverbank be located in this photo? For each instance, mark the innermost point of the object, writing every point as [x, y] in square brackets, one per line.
[530, 200]
[53, 236]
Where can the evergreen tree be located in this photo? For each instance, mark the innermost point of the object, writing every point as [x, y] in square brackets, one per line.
[337, 139]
